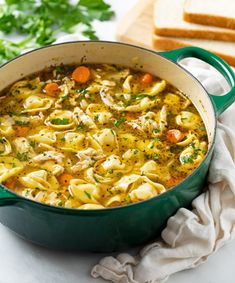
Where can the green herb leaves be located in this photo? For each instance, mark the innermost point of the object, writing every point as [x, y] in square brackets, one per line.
[22, 123]
[41, 21]
[120, 121]
[87, 194]
[22, 156]
[59, 121]
[187, 159]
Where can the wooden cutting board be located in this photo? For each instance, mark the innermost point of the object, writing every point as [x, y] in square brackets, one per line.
[137, 26]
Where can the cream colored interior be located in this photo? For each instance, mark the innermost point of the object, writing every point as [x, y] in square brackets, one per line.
[113, 53]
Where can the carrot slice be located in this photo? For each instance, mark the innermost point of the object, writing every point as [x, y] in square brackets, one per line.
[52, 89]
[175, 136]
[147, 79]
[21, 130]
[10, 184]
[81, 74]
[130, 116]
[65, 179]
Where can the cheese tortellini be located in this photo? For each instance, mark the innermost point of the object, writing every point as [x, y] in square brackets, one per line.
[35, 103]
[118, 137]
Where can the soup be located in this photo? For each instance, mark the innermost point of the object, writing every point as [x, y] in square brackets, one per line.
[97, 136]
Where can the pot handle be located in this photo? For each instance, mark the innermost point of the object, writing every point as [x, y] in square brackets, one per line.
[221, 103]
[6, 197]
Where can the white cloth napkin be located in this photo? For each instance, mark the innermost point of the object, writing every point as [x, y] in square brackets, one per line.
[190, 236]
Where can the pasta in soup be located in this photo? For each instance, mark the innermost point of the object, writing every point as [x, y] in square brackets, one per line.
[97, 136]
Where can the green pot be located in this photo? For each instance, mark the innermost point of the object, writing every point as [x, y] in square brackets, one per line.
[111, 229]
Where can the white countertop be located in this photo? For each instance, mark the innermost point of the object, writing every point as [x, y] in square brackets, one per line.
[22, 262]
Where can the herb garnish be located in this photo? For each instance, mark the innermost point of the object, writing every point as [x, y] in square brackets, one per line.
[22, 156]
[96, 179]
[119, 174]
[22, 123]
[140, 96]
[41, 21]
[87, 194]
[82, 91]
[155, 156]
[33, 144]
[96, 117]
[118, 123]
[143, 95]
[81, 126]
[58, 121]
[156, 131]
[187, 159]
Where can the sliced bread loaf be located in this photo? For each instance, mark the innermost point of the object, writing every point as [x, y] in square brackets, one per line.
[225, 50]
[168, 20]
[219, 13]
[137, 28]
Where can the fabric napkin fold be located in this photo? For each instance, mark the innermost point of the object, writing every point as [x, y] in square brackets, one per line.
[191, 236]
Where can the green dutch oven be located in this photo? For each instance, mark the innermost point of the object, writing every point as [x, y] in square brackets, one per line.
[111, 229]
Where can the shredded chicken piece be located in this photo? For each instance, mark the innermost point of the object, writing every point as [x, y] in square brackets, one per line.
[86, 158]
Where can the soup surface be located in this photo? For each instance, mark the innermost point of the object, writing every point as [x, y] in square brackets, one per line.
[96, 136]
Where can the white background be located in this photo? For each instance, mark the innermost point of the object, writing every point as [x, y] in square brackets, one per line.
[22, 262]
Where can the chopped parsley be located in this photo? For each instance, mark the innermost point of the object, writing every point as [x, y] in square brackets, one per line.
[82, 91]
[140, 96]
[186, 159]
[22, 123]
[135, 151]
[63, 98]
[13, 113]
[41, 21]
[156, 131]
[118, 123]
[58, 121]
[203, 137]
[119, 174]
[195, 149]
[22, 156]
[143, 95]
[155, 156]
[27, 192]
[152, 145]
[33, 144]
[96, 118]
[81, 126]
[59, 69]
[87, 194]
[109, 191]
[96, 179]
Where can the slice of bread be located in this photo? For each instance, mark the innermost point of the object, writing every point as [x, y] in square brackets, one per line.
[225, 50]
[137, 28]
[219, 13]
[168, 20]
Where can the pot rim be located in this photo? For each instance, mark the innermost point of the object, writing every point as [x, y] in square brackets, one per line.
[64, 210]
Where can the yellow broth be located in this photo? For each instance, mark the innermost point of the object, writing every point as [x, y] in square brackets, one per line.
[97, 136]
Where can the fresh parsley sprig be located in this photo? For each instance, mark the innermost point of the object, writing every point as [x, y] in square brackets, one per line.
[41, 21]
